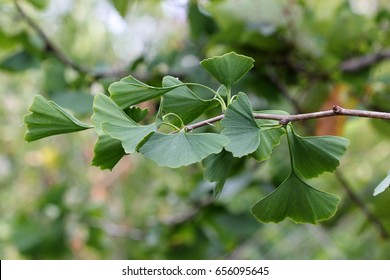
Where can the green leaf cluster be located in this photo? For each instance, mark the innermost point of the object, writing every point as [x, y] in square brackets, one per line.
[124, 128]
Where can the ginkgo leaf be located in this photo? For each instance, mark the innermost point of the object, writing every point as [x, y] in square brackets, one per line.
[106, 110]
[129, 91]
[183, 102]
[47, 119]
[108, 152]
[130, 135]
[296, 200]
[240, 127]
[316, 154]
[228, 68]
[270, 136]
[217, 168]
[383, 185]
[111, 119]
[181, 149]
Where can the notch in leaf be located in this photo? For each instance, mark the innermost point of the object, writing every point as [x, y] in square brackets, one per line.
[217, 168]
[296, 200]
[107, 152]
[47, 119]
[228, 68]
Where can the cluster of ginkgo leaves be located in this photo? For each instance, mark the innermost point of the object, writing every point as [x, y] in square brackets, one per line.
[168, 141]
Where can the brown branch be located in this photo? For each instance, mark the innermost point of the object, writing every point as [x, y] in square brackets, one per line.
[361, 205]
[285, 119]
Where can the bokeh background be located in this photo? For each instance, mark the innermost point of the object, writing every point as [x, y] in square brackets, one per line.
[309, 56]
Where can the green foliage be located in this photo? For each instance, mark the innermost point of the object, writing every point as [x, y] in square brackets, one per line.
[47, 119]
[270, 135]
[241, 135]
[141, 211]
[309, 157]
[297, 200]
[117, 124]
[19, 61]
[314, 155]
[181, 149]
[108, 152]
[239, 121]
[217, 168]
[229, 68]
[183, 102]
[121, 6]
[129, 91]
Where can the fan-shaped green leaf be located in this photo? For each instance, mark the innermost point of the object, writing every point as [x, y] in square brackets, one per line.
[270, 136]
[47, 118]
[106, 110]
[181, 149]
[383, 185]
[228, 68]
[240, 127]
[129, 91]
[296, 200]
[108, 152]
[130, 135]
[217, 168]
[184, 102]
[316, 154]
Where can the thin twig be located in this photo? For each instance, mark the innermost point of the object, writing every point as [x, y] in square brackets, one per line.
[359, 203]
[285, 119]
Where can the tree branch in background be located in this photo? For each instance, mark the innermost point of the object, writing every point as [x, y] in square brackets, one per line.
[361, 205]
[359, 63]
[188, 216]
[350, 65]
[273, 77]
[49, 45]
[61, 56]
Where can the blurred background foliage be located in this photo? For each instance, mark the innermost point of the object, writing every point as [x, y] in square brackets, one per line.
[309, 56]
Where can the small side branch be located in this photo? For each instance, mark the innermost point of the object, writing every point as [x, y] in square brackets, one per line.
[205, 122]
[285, 119]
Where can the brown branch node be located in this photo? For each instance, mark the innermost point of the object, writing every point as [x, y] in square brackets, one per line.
[337, 109]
